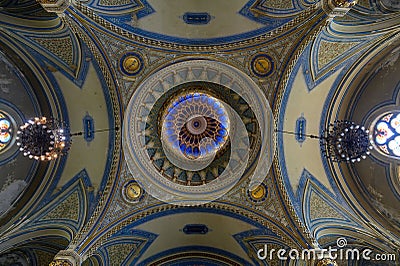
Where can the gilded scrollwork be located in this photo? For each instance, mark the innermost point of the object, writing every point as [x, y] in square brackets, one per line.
[60, 262]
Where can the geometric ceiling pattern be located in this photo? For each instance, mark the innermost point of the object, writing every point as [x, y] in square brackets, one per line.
[270, 66]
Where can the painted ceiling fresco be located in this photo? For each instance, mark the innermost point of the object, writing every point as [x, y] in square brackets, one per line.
[146, 192]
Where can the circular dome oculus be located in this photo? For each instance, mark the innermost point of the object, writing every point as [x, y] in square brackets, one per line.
[196, 125]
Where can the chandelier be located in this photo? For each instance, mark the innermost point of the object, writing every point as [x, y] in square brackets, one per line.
[345, 141]
[43, 139]
[342, 141]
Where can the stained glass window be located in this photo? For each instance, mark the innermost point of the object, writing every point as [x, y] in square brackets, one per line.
[5, 131]
[387, 134]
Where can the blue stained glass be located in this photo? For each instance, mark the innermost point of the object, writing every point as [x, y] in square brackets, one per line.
[170, 131]
[183, 148]
[219, 139]
[172, 138]
[5, 132]
[189, 150]
[222, 132]
[169, 124]
[387, 134]
[192, 117]
[223, 119]
[220, 112]
[196, 151]
[209, 148]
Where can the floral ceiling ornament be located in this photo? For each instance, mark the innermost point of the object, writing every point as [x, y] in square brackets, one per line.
[197, 124]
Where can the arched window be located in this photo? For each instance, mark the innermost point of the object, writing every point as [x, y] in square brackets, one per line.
[387, 134]
[5, 131]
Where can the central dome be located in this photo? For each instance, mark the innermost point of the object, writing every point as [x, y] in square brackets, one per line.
[195, 129]
[195, 125]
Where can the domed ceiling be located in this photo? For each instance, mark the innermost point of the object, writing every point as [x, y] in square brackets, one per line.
[194, 131]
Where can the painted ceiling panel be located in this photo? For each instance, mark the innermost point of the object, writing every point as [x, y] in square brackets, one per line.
[286, 68]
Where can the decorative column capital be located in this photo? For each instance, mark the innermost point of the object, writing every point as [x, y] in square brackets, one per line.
[66, 258]
[337, 8]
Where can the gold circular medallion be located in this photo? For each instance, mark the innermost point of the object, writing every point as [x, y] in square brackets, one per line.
[133, 191]
[258, 193]
[262, 65]
[131, 64]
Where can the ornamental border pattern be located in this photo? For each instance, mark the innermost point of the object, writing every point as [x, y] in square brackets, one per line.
[276, 108]
[117, 142]
[302, 17]
[165, 207]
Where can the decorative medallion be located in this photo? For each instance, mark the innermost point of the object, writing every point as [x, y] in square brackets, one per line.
[132, 192]
[262, 65]
[6, 131]
[197, 124]
[258, 194]
[131, 63]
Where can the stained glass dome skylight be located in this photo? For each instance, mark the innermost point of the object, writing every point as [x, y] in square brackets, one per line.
[387, 134]
[195, 125]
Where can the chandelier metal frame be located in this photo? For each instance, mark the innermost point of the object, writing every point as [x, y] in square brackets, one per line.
[342, 141]
[45, 139]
